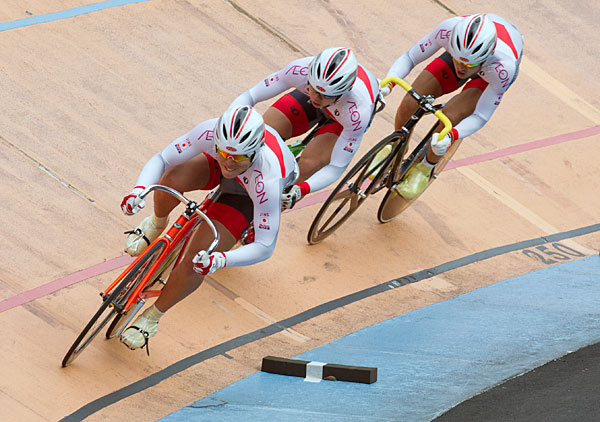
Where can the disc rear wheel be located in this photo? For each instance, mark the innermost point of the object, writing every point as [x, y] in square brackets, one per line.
[393, 204]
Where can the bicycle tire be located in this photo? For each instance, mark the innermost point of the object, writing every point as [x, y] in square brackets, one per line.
[91, 330]
[160, 277]
[393, 204]
[350, 191]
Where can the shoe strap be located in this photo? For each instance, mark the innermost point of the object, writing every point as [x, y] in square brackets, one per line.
[146, 337]
[140, 233]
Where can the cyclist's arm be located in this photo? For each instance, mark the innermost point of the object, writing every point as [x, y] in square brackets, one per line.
[267, 215]
[423, 50]
[195, 142]
[488, 102]
[293, 75]
[343, 151]
[322, 178]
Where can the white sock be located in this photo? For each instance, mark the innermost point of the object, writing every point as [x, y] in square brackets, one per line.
[427, 163]
[153, 313]
[159, 221]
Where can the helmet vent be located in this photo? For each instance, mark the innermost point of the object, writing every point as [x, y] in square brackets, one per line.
[335, 63]
[240, 117]
[244, 137]
[473, 30]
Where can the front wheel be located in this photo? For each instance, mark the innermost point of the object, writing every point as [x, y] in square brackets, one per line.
[111, 302]
[156, 281]
[93, 327]
[368, 176]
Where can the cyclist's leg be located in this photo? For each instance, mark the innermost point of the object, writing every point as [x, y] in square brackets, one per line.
[291, 115]
[183, 279]
[231, 214]
[438, 78]
[426, 83]
[278, 121]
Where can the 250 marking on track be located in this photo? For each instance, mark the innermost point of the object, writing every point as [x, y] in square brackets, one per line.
[553, 253]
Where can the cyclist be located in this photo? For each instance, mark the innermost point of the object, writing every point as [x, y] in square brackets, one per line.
[251, 163]
[483, 53]
[332, 86]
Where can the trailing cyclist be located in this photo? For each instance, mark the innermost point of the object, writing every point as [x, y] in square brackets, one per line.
[252, 165]
[331, 86]
[483, 53]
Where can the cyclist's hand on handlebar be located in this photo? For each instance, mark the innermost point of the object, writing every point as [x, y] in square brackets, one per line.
[289, 199]
[205, 263]
[440, 147]
[387, 89]
[132, 203]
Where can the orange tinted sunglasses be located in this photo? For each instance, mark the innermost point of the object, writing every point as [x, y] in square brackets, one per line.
[238, 158]
[466, 64]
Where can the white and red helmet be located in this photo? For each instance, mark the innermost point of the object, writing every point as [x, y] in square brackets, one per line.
[473, 39]
[333, 71]
[240, 130]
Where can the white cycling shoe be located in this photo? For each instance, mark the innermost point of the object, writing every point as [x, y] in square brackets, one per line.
[415, 182]
[144, 327]
[144, 234]
[379, 157]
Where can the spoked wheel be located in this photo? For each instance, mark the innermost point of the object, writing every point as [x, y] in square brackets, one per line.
[110, 303]
[368, 176]
[157, 282]
[393, 204]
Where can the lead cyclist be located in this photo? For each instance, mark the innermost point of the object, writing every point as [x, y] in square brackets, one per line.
[252, 165]
[331, 85]
[482, 54]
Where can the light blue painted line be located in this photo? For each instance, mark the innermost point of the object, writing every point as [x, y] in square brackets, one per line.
[65, 14]
[430, 359]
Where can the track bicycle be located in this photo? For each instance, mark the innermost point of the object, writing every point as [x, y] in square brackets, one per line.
[382, 167]
[145, 277]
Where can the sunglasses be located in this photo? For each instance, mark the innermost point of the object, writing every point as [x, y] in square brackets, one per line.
[329, 97]
[466, 64]
[238, 158]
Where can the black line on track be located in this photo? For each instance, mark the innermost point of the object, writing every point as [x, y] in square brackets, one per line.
[446, 8]
[277, 327]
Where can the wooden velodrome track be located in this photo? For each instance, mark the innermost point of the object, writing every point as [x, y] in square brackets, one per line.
[87, 100]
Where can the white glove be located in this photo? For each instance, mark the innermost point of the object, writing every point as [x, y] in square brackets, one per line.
[132, 203]
[205, 263]
[440, 147]
[288, 200]
[387, 89]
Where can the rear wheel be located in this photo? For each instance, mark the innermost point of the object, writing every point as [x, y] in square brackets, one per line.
[368, 176]
[110, 304]
[393, 204]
